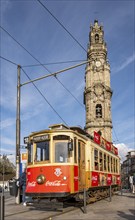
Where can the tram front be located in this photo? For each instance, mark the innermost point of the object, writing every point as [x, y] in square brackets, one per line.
[51, 171]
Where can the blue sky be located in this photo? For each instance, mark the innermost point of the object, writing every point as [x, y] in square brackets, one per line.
[29, 23]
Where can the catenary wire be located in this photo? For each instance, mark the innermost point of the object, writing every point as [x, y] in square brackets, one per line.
[44, 97]
[38, 62]
[70, 92]
[36, 89]
[31, 54]
[54, 63]
[8, 60]
[56, 19]
[61, 25]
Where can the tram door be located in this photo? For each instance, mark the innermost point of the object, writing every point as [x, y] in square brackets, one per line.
[81, 164]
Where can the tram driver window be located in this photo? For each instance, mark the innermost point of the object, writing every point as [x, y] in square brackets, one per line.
[61, 152]
[30, 153]
[42, 151]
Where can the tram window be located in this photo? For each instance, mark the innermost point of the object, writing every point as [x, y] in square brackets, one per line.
[96, 159]
[101, 160]
[30, 153]
[104, 161]
[108, 160]
[75, 158]
[111, 164]
[116, 166]
[42, 152]
[61, 152]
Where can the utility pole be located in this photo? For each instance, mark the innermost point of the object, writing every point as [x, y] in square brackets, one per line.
[18, 132]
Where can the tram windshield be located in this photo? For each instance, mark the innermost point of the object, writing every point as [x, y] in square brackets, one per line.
[42, 151]
[61, 152]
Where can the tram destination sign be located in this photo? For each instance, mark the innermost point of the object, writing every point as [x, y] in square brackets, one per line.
[41, 138]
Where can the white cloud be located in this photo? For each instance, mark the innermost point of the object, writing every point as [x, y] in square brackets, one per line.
[8, 141]
[123, 150]
[124, 64]
[7, 122]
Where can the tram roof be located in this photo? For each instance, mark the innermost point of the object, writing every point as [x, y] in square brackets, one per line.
[61, 126]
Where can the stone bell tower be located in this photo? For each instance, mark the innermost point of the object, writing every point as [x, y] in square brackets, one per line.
[98, 93]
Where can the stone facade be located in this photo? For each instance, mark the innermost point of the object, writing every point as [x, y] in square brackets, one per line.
[98, 93]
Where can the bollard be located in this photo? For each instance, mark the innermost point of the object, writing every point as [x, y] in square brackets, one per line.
[2, 207]
[84, 200]
[110, 193]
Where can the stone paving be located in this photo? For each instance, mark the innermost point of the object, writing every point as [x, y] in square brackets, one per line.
[120, 207]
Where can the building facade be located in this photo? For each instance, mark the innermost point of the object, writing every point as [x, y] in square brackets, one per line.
[128, 168]
[98, 93]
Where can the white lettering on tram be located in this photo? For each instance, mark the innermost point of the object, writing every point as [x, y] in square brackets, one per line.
[32, 184]
[53, 183]
[109, 178]
[94, 178]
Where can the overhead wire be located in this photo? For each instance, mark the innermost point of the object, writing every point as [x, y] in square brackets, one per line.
[8, 60]
[45, 98]
[70, 93]
[54, 63]
[39, 62]
[56, 19]
[62, 27]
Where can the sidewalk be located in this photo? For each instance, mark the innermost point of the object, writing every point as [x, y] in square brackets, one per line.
[121, 207]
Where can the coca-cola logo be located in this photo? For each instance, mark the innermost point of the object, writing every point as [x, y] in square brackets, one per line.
[53, 183]
[75, 177]
[94, 178]
[32, 184]
[109, 178]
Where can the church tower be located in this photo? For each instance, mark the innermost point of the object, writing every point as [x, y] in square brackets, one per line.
[98, 93]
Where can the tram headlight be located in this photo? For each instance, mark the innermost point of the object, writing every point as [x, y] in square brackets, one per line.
[64, 178]
[41, 179]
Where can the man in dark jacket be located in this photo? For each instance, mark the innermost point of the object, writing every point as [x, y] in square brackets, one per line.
[22, 184]
[134, 183]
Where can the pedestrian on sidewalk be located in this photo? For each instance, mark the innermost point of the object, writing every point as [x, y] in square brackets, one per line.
[131, 183]
[22, 184]
[134, 183]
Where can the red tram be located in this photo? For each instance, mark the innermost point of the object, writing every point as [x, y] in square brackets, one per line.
[63, 161]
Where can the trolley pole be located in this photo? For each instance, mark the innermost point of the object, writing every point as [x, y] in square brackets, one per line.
[18, 132]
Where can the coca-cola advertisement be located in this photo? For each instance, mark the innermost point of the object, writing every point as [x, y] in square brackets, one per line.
[95, 179]
[109, 179]
[53, 178]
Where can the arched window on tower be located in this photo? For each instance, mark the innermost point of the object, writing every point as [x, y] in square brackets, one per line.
[98, 111]
[96, 38]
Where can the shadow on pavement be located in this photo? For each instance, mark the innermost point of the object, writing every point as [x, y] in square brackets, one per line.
[127, 216]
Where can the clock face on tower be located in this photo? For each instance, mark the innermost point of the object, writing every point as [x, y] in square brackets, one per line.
[98, 63]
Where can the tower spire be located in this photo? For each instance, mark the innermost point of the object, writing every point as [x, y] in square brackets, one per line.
[98, 93]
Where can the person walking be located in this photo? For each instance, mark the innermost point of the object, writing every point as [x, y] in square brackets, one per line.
[131, 183]
[134, 183]
[22, 184]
